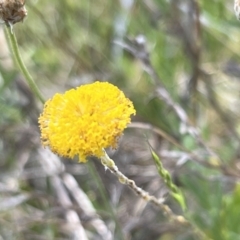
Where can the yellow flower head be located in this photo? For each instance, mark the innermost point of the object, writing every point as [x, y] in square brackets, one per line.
[85, 120]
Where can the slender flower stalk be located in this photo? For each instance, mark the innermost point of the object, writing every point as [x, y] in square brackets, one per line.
[110, 164]
[178, 219]
[18, 60]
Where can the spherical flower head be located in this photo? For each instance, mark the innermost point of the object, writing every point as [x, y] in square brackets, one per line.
[85, 120]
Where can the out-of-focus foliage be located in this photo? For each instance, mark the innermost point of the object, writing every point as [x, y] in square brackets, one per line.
[193, 47]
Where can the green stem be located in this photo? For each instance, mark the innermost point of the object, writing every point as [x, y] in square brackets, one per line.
[18, 59]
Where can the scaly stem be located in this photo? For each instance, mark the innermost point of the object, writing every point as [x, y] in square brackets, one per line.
[109, 164]
[179, 219]
[18, 59]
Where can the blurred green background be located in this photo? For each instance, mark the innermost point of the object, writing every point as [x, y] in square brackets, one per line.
[188, 48]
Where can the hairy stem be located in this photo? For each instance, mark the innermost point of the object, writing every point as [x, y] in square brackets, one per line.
[178, 219]
[109, 164]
